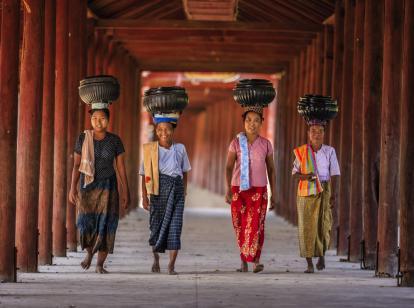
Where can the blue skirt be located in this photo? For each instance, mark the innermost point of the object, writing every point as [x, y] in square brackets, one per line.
[166, 214]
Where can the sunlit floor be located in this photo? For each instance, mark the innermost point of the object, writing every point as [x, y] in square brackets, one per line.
[207, 276]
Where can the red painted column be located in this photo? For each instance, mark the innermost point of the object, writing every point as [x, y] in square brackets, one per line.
[83, 59]
[328, 37]
[355, 214]
[74, 64]
[346, 129]
[90, 71]
[28, 136]
[373, 49]
[46, 151]
[407, 152]
[9, 66]
[60, 140]
[335, 124]
[390, 140]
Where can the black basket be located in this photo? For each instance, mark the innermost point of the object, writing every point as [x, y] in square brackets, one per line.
[254, 92]
[165, 99]
[99, 89]
[317, 107]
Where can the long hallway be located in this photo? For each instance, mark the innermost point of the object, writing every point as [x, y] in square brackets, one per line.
[206, 267]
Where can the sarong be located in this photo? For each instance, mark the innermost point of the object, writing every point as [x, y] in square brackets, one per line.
[166, 214]
[314, 223]
[248, 211]
[98, 214]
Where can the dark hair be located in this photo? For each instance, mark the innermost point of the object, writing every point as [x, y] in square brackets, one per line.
[244, 115]
[172, 124]
[104, 110]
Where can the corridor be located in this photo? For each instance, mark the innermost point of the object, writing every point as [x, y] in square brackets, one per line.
[206, 267]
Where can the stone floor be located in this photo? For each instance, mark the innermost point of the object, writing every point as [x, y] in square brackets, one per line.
[207, 276]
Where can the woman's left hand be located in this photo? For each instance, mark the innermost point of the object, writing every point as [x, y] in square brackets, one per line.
[272, 203]
[125, 200]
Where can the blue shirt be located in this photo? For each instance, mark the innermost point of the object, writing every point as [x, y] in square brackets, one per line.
[173, 161]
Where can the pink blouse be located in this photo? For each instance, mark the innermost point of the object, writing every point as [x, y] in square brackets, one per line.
[258, 151]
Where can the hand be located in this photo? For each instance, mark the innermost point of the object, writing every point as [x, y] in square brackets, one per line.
[73, 196]
[125, 200]
[272, 203]
[308, 177]
[145, 203]
[229, 196]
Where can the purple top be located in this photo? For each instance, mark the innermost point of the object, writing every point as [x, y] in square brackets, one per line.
[258, 151]
[326, 162]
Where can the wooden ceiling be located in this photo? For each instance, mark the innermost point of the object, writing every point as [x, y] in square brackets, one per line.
[212, 35]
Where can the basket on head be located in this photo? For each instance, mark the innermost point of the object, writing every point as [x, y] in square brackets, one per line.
[99, 91]
[317, 108]
[254, 92]
[165, 99]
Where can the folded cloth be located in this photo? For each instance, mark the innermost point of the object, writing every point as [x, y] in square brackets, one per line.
[151, 169]
[87, 165]
[166, 117]
[306, 158]
[244, 162]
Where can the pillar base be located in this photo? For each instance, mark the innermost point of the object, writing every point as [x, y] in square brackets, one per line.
[407, 279]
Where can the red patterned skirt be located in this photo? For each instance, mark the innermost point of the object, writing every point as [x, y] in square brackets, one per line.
[248, 211]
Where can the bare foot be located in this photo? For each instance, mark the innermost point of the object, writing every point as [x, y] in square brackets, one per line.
[258, 268]
[86, 263]
[100, 270]
[155, 267]
[309, 270]
[243, 267]
[321, 264]
[171, 270]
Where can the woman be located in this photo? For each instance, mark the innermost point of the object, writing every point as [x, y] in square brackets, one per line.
[249, 157]
[316, 167]
[97, 152]
[164, 178]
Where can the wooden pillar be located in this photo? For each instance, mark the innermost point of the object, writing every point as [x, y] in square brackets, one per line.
[9, 66]
[83, 59]
[407, 152]
[346, 128]
[390, 140]
[327, 60]
[28, 136]
[46, 151]
[74, 56]
[60, 140]
[373, 49]
[336, 91]
[355, 214]
[90, 71]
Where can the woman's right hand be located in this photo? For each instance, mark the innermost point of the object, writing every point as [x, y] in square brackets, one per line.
[73, 196]
[145, 203]
[229, 196]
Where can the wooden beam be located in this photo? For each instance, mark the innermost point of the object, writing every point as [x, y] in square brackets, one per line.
[210, 67]
[204, 25]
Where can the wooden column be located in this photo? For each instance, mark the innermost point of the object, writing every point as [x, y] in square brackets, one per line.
[373, 49]
[90, 71]
[346, 128]
[28, 136]
[327, 60]
[407, 152]
[355, 214]
[46, 151]
[390, 140]
[336, 91]
[60, 140]
[83, 59]
[9, 66]
[74, 64]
